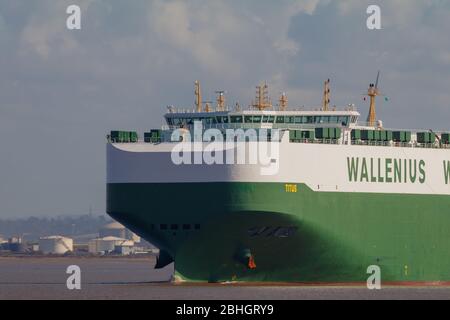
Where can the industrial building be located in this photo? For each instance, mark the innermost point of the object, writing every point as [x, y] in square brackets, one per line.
[16, 245]
[109, 244]
[115, 229]
[3, 244]
[112, 238]
[55, 245]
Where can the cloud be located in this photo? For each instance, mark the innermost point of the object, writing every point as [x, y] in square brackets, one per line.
[45, 30]
[61, 90]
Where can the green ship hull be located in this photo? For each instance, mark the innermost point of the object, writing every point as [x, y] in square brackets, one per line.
[211, 229]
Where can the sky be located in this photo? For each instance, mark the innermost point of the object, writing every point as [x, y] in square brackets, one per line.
[62, 90]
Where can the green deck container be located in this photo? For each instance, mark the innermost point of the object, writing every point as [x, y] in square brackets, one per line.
[134, 137]
[389, 136]
[308, 134]
[401, 136]
[445, 138]
[337, 133]
[292, 135]
[425, 137]
[120, 136]
[154, 136]
[367, 135]
[147, 137]
[356, 134]
[407, 136]
[322, 133]
[377, 135]
[114, 136]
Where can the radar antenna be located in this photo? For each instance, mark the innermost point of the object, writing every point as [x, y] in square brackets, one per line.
[208, 106]
[283, 102]
[198, 97]
[326, 96]
[373, 92]
[262, 100]
[220, 100]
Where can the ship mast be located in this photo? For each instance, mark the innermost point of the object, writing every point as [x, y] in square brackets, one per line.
[262, 100]
[208, 106]
[283, 102]
[373, 92]
[326, 95]
[220, 100]
[198, 97]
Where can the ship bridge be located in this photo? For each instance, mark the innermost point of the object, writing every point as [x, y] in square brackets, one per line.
[261, 113]
[262, 119]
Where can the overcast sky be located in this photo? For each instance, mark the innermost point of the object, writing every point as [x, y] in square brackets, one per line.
[61, 91]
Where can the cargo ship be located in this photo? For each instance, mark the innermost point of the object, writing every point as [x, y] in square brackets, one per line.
[327, 197]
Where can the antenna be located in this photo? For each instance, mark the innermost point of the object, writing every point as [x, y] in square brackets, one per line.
[283, 101]
[262, 100]
[198, 96]
[208, 106]
[378, 78]
[373, 92]
[326, 95]
[220, 100]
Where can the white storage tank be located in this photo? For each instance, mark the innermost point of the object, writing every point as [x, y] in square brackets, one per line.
[115, 229]
[55, 245]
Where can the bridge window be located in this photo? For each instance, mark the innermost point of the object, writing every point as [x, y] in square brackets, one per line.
[163, 226]
[186, 227]
[221, 119]
[174, 227]
[290, 119]
[177, 122]
[268, 119]
[209, 120]
[236, 119]
[344, 120]
[197, 226]
[280, 119]
[256, 119]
